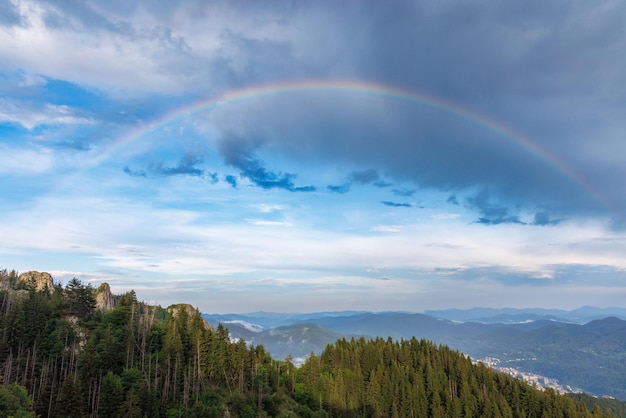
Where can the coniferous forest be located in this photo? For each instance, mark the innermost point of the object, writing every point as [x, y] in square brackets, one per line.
[63, 355]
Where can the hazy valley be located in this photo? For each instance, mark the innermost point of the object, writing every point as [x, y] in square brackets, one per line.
[583, 349]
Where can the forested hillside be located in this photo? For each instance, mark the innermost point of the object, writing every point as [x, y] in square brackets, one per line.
[64, 355]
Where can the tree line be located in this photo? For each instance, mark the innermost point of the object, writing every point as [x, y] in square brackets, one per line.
[61, 356]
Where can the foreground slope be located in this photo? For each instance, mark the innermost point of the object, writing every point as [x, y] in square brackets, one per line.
[386, 378]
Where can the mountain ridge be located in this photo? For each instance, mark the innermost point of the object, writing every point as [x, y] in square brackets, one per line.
[561, 349]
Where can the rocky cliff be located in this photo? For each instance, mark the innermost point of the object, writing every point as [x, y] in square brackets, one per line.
[104, 298]
[191, 312]
[5, 280]
[36, 280]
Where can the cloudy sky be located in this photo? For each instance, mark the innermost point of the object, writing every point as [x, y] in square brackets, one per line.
[318, 155]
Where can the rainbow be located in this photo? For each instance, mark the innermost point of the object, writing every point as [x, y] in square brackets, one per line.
[356, 87]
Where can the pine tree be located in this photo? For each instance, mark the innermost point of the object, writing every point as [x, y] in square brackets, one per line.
[15, 402]
[111, 396]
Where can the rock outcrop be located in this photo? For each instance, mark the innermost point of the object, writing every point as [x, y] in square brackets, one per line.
[36, 280]
[104, 298]
[5, 281]
[191, 312]
[175, 310]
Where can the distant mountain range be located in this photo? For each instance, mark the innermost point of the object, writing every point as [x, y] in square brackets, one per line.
[584, 348]
[511, 315]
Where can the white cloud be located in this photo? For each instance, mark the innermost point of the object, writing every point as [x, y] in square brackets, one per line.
[387, 228]
[130, 235]
[447, 216]
[141, 50]
[263, 222]
[25, 161]
[30, 80]
[268, 207]
[30, 116]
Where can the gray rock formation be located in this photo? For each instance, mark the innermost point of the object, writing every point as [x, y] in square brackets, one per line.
[36, 280]
[5, 281]
[191, 312]
[104, 298]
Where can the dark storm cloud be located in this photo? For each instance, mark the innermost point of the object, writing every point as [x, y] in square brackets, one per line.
[180, 169]
[239, 156]
[409, 142]
[382, 184]
[359, 177]
[187, 166]
[134, 173]
[533, 68]
[396, 204]
[548, 72]
[253, 169]
[404, 192]
[9, 14]
[213, 177]
[497, 220]
[543, 219]
[246, 60]
[491, 213]
[368, 176]
[232, 180]
[494, 47]
[340, 188]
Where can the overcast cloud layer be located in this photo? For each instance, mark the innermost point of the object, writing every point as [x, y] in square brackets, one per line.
[492, 176]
